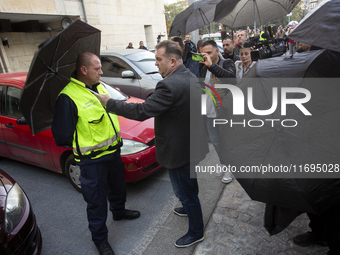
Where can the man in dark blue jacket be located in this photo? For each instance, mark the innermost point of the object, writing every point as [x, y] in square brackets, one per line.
[102, 170]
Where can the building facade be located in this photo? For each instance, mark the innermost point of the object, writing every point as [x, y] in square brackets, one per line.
[24, 24]
[311, 4]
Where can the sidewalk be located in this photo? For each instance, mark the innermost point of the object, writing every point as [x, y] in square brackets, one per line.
[236, 227]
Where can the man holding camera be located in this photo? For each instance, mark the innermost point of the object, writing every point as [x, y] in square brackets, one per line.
[214, 68]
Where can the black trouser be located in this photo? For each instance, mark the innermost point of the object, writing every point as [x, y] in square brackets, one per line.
[101, 180]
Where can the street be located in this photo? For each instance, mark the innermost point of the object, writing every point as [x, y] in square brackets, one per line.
[233, 222]
[61, 210]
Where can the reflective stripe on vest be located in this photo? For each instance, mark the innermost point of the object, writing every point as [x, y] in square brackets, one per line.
[106, 143]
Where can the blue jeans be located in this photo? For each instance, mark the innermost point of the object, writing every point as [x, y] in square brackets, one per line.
[186, 190]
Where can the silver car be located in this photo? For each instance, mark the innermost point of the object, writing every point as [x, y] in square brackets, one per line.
[133, 71]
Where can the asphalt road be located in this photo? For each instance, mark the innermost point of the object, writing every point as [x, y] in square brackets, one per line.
[61, 210]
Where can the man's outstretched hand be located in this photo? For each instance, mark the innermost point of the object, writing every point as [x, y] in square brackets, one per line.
[103, 98]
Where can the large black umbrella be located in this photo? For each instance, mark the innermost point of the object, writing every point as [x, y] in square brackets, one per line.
[303, 158]
[50, 70]
[197, 15]
[324, 18]
[248, 12]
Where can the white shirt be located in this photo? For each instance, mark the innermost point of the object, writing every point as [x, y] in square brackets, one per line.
[239, 69]
[211, 111]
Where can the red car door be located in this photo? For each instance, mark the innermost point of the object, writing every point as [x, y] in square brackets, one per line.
[3, 147]
[22, 145]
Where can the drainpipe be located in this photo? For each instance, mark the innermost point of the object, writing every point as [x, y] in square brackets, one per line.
[82, 1]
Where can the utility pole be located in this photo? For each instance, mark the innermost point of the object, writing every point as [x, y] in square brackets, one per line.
[195, 33]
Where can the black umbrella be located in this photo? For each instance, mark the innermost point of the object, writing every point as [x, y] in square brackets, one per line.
[248, 12]
[50, 70]
[304, 159]
[197, 15]
[324, 18]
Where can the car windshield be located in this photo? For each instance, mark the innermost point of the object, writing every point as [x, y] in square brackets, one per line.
[114, 93]
[145, 61]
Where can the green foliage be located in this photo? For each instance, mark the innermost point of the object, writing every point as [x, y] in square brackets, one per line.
[206, 29]
[171, 11]
[297, 14]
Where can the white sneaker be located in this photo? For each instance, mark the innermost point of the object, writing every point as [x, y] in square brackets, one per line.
[219, 172]
[227, 177]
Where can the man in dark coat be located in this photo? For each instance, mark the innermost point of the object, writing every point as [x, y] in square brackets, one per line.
[170, 105]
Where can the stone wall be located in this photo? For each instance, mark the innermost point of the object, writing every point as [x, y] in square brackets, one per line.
[22, 47]
[121, 22]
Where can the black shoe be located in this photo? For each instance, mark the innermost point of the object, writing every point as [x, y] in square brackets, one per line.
[308, 239]
[180, 211]
[105, 249]
[129, 215]
[187, 240]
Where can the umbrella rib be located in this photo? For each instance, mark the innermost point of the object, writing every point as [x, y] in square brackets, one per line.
[203, 16]
[258, 137]
[56, 64]
[27, 85]
[258, 13]
[36, 100]
[279, 3]
[316, 144]
[238, 13]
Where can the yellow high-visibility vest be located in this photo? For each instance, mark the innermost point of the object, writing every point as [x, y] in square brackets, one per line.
[97, 132]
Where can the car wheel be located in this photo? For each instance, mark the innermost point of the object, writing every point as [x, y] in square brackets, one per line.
[73, 172]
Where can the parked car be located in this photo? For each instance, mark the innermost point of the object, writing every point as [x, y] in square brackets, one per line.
[214, 36]
[220, 46]
[18, 143]
[19, 232]
[133, 71]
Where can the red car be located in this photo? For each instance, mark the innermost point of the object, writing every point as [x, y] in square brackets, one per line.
[19, 232]
[17, 141]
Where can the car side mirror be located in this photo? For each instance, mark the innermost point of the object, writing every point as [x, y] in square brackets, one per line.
[22, 121]
[128, 74]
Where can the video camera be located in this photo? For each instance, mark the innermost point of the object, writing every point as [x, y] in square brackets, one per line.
[266, 44]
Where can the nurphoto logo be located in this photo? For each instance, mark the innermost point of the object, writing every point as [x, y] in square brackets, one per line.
[239, 105]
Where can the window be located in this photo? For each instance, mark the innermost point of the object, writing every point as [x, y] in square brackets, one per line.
[113, 67]
[145, 61]
[115, 94]
[12, 102]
